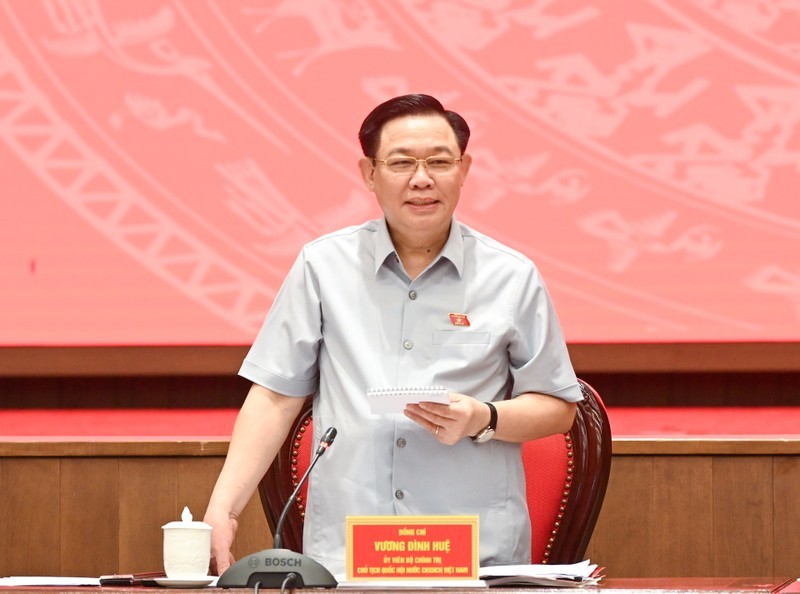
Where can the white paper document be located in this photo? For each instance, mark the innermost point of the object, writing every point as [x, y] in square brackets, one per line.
[384, 401]
[575, 575]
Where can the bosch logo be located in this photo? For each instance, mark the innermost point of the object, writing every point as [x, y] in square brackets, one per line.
[282, 562]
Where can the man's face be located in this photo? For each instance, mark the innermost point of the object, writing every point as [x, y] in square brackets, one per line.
[422, 201]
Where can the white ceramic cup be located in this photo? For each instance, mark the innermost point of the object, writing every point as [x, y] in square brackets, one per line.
[187, 550]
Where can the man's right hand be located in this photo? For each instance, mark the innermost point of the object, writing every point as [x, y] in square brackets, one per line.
[223, 532]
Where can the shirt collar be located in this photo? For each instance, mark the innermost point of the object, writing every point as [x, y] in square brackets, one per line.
[453, 249]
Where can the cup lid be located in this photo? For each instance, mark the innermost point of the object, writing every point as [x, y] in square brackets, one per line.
[186, 522]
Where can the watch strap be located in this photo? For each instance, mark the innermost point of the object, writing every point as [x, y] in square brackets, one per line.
[487, 432]
[492, 417]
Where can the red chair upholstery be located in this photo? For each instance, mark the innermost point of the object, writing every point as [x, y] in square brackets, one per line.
[566, 478]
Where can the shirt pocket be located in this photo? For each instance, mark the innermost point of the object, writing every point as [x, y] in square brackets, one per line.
[460, 337]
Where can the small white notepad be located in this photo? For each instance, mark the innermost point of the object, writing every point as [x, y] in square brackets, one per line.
[384, 401]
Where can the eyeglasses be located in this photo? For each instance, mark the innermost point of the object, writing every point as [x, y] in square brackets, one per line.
[408, 165]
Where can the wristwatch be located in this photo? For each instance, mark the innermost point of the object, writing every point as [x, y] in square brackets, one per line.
[488, 432]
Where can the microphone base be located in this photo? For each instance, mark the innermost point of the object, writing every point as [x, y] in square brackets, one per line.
[271, 567]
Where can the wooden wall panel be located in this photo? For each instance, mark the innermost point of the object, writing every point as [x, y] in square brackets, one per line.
[682, 515]
[641, 388]
[97, 515]
[786, 519]
[687, 389]
[665, 514]
[30, 517]
[225, 360]
[133, 392]
[196, 478]
[89, 516]
[622, 540]
[148, 499]
[743, 515]
[699, 516]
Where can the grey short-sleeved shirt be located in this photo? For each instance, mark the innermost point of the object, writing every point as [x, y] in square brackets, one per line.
[348, 318]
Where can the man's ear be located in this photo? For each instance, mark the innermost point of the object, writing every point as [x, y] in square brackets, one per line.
[367, 172]
[463, 170]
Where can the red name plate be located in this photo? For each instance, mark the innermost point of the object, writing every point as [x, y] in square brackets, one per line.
[412, 547]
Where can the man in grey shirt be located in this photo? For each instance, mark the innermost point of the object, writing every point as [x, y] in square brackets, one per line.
[413, 299]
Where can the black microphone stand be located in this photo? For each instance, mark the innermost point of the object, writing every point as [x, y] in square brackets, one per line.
[276, 567]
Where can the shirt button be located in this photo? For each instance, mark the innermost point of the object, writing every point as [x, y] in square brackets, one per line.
[408, 345]
[412, 295]
[399, 494]
[401, 443]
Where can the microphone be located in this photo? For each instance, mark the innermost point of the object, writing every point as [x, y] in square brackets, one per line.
[277, 567]
[324, 444]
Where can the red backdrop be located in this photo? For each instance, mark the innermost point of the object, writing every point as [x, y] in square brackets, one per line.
[161, 162]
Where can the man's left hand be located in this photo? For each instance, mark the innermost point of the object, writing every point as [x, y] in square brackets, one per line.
[449, 423]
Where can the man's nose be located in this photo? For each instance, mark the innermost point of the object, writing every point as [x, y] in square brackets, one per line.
[421, 176]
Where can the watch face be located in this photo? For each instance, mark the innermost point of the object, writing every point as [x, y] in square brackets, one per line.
[484, 435]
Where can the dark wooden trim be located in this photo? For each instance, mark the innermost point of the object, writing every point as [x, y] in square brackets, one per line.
[120, 360]
[82, 447]
[223, 360]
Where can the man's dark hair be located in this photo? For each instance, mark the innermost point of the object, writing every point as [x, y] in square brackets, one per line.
[408, 105]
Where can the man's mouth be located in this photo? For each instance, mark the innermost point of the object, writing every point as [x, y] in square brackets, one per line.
[422, 201]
